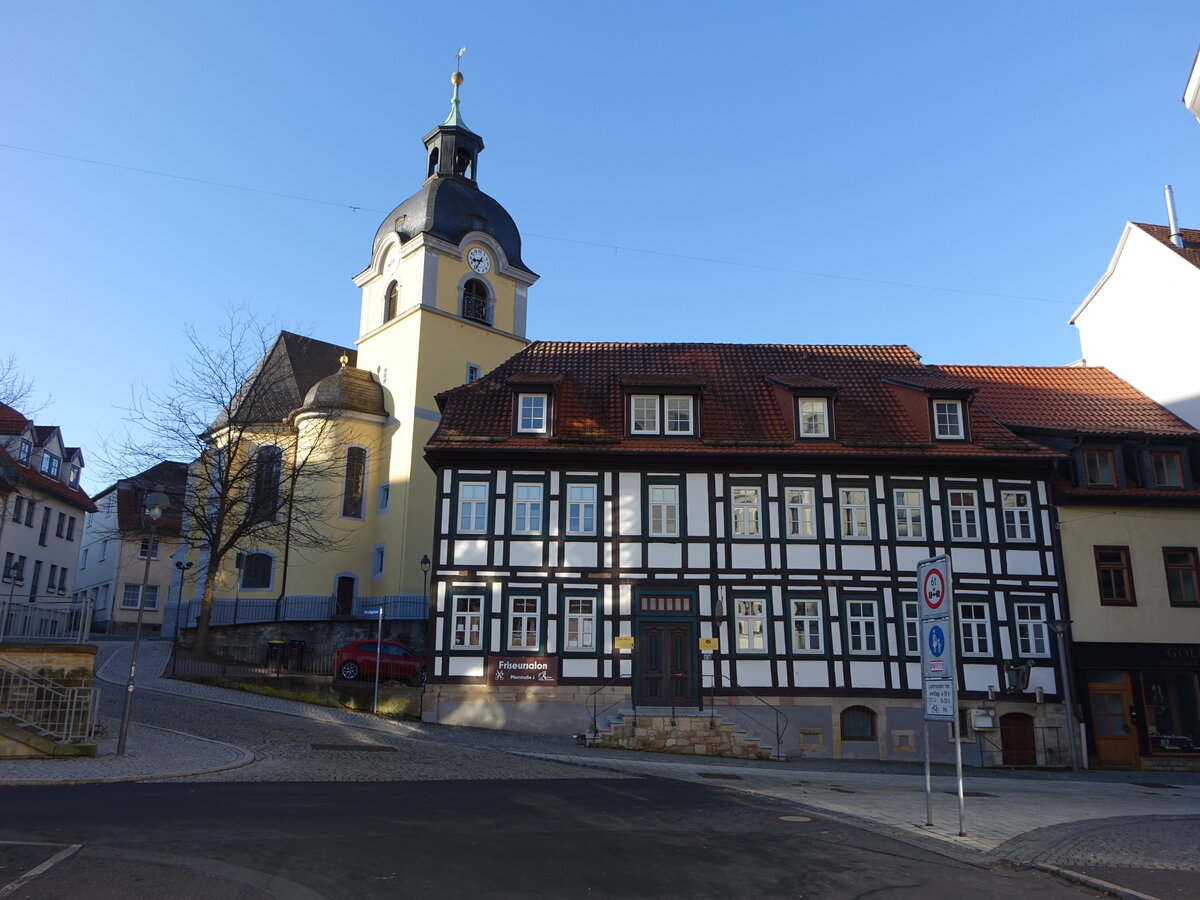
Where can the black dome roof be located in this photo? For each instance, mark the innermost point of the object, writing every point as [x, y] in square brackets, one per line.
[449, 208]
[347, 389]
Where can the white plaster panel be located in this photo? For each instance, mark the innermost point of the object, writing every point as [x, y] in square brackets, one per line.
[979, 677]
[965, 559]
[1024, 562]
[697, 556]
[908, 557]
[803, 556]
[630, 489]
[525, 553]
[579, 668]
[470, 553]
[697, 505]
[580, 555]
[465, 667]
[913, 670]
[631, 556]
[747, 556]
[810, 673]
[1043, 677]
[664, 556]
[754, 673]
[859, 557]
[866, 674]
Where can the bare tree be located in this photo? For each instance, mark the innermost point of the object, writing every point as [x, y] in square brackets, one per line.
[259, 477]
[16, 388]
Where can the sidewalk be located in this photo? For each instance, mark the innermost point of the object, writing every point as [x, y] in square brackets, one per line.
[1098, 826]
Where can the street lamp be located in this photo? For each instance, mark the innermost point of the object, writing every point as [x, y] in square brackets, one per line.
[425, 564]
[1060, 627]
[154, 506]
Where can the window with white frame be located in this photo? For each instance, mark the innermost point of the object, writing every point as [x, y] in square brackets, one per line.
[531, 413]
[909, 508]
[581, 623]
[50, 464]
[1018, 515]
[862, 626]
[807, 627]
[964, 515]
[664, 510]
[581, 509]
[912, 628]
[473, 372]
[527, 508]
[1032, 636]
[73, 476]
[468, 623]
[679, 414]
[149, 547]
[814, 417]
[25, 452]
[523, 622]
[948, 420]
[751, 617]
[472, 507]
[132, 594]
[974, 629]
[643, 414]
[385, 497]
[256, 570]
[746, 512]
[855, 513]
[800, 505]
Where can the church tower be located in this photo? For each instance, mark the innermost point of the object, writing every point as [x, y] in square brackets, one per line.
[443, 301]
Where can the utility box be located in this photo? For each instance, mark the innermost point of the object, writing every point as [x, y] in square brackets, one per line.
[983, 719]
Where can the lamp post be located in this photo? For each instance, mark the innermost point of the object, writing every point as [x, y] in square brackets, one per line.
[425, 564]
[154, 505]
[182, 566]
[1060, 627]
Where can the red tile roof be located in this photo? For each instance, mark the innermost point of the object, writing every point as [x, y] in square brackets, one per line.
[1085, 399]
[743, 406]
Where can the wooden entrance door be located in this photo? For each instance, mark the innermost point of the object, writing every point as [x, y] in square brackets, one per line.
[1017, 743]
[344, 595]
[1116, 741]
[667, 673]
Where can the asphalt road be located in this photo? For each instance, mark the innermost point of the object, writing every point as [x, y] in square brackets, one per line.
[483, 838]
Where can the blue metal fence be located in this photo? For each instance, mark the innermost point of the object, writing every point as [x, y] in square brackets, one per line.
[247, 610]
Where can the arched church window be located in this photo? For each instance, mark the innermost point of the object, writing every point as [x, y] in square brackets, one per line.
[354, 482]
[433, 162]
[390, 301]
[476, 301]
[263, 502]
[256, 570]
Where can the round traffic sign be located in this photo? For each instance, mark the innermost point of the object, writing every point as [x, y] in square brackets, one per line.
[937, 641]
[933, 588]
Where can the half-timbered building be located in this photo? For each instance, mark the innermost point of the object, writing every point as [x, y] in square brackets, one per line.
[733, 531]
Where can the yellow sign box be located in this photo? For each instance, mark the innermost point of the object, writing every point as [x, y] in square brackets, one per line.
[623, 642]
[710, 644]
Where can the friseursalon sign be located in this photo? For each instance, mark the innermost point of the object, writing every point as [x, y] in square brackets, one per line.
[522, 670]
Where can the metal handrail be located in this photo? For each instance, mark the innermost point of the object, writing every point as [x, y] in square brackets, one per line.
[594, 703]
[781, 722]
[66, 714]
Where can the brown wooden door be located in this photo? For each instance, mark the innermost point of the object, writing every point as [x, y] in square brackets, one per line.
[345, 595]
[666, 664]
[1017, 743]
[1116, 741]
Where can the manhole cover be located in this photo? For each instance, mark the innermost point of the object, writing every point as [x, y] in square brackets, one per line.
[797, 819]
[1155, 784]
[355, 748]
[719, 775]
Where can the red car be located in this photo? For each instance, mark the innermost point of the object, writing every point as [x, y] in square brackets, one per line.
[396, 662]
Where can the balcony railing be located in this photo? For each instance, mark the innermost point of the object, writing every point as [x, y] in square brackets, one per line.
[45, 621]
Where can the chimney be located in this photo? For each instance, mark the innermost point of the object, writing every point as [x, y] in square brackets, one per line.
[1172, 221]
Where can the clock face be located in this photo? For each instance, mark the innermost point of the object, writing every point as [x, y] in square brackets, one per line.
[392, 259]
[478, 260]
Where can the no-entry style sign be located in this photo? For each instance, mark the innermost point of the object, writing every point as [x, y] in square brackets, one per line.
[933, 586]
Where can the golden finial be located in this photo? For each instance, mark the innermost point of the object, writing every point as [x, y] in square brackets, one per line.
[343, 360]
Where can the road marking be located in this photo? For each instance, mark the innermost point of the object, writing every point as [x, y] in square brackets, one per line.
[49, 864]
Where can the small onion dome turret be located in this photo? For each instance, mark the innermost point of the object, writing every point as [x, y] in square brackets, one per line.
[348, 389]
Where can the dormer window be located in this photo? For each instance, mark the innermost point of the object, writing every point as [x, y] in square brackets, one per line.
[948, 421]
[73, 476]
[657, 414]
[813, 417]
[391, 302]
[531, 413]
[50, 464]
[25, 452]
[1099, 468]
[477, 301]
[1167, 468]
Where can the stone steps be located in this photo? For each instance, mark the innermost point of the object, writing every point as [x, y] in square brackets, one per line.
[686, 732]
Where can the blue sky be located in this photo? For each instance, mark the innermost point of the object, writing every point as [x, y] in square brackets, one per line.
[950, 176]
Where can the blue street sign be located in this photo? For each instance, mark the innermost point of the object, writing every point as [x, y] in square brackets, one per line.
[937, 640]
[373, 611]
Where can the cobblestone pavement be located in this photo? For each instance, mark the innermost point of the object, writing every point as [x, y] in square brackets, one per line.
[1140, 830]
